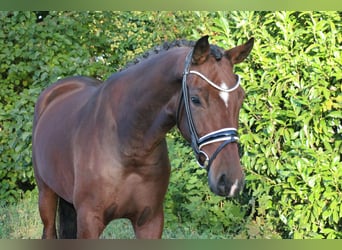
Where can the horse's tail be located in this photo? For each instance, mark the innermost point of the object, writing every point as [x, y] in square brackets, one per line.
[67, 220]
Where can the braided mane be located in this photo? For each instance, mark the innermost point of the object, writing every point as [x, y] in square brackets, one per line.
[215, 50]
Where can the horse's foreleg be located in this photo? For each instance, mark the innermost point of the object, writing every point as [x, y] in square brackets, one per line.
[47, 209]
[152, 229]
[89, 224]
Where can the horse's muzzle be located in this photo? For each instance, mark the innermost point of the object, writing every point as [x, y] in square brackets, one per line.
[224, 186]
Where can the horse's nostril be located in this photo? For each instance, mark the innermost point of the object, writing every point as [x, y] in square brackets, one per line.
[227, 188]
[222, 184]
[222, 180]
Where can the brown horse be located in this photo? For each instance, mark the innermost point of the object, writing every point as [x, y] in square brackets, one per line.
[99, 149]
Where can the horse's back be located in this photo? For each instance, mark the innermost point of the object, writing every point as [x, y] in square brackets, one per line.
[61, 89]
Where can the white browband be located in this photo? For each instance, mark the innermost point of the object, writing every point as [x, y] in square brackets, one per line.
[216, 86]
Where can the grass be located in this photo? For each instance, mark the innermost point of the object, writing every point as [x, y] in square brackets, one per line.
[22, 221]
[122, 229]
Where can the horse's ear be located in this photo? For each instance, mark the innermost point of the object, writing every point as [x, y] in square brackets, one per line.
[239, 53]
[201, 50]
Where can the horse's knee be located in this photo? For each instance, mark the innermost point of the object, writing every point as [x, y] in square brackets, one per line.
[89, 225]
[151, 228]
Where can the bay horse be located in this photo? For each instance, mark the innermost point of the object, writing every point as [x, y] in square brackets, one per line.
[99, 149]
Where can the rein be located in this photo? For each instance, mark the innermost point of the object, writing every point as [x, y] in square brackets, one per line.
[226, 135]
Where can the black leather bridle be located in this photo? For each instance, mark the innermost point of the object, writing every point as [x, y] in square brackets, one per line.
[226, 135]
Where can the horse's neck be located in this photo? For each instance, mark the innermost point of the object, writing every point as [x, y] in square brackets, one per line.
[148, 100]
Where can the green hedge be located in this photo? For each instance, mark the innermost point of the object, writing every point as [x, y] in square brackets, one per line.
[290, 127]
[290, 123]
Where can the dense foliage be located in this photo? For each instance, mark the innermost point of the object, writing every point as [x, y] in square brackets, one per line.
[290, 123]
[291, 118]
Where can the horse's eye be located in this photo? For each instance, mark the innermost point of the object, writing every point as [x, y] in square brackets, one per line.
[195, 100]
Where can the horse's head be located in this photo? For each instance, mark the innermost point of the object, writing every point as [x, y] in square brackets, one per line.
[212, 98]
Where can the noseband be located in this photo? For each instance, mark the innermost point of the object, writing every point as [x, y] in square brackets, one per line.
[225, 135]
